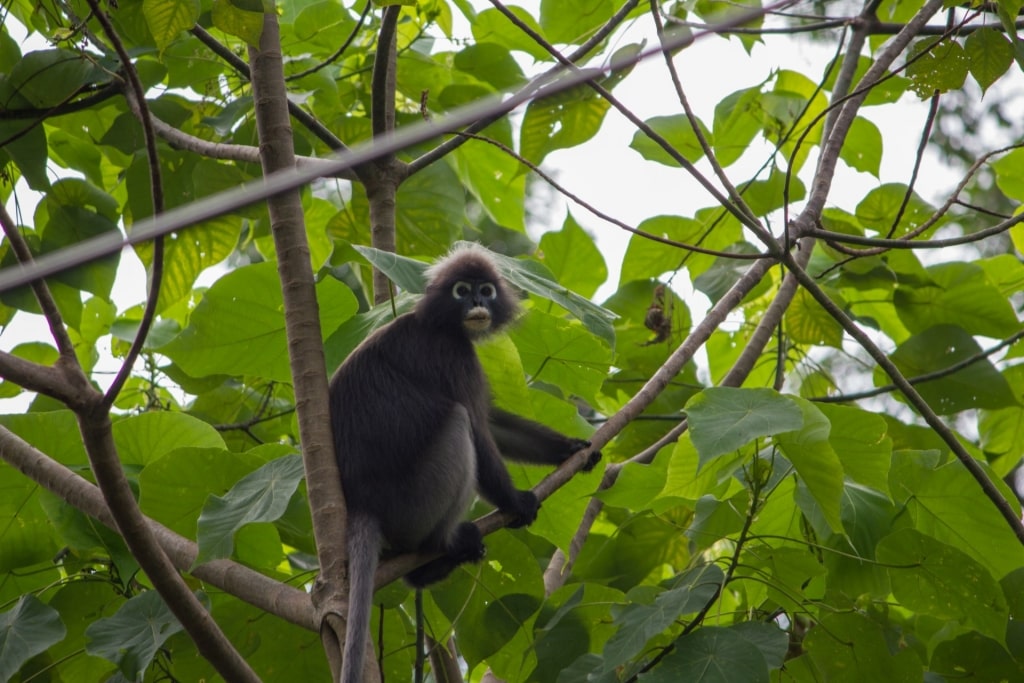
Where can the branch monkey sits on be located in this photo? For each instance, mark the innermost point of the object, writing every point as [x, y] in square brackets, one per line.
[415, 435]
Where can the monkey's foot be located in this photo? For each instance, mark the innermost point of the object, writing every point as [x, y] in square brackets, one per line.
[466, 546]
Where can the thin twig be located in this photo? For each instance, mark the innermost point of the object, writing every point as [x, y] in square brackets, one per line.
[340, 51]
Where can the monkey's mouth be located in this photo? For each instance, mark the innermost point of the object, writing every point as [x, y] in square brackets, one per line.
[478, 319]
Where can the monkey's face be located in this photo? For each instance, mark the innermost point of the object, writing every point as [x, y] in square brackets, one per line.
[476, 300]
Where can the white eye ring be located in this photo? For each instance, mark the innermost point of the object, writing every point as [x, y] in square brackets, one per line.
[461, 290]
[488, 291]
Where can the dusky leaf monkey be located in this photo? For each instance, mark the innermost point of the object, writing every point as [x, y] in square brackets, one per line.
[416, 436]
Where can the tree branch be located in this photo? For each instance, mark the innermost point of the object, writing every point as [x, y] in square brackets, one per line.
[136, 96]
[305, 346]
[926, 377]
[94, 425]
[291, 604]
[831, 146]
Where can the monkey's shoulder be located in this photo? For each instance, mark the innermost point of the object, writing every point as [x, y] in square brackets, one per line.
[411, 355]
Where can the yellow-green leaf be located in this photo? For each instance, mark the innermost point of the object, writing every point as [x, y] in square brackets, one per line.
[168, 18]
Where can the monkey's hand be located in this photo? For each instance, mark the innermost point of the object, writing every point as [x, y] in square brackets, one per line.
[595, 457]
[525, 510]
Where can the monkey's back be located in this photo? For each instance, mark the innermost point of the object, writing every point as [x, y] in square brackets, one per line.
[419, 466]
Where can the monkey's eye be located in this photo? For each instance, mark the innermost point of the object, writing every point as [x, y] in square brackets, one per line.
[461, 290]
[488, 291]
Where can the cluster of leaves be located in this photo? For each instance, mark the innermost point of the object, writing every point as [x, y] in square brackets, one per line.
[782, 537]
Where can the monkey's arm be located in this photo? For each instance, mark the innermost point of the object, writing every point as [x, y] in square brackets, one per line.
[495, 484]
[528, 441]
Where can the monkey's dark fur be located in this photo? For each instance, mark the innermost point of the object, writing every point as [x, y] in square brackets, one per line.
[415, 436]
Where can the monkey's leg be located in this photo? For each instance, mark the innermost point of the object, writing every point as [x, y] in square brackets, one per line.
[467, 545]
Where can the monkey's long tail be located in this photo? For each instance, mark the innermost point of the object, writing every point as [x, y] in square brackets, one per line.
[363, 548]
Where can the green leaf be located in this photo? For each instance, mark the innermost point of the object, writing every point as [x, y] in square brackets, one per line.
[560, 121]
[563, 353]
[848, 646]
[719, 278]
[168, 18]
[859, 438]
[936, 66]
[586, 668]
[947, 504]
[48, 78]
[646, 258]
[930, 577]
[714, 520]
[713, 654]
[637, 485]
[238, 327]
[792, 115]
[816, 463]
[574, 258]
[524, 274]
[807, 322]
[1001, 431]
[959, 294]
[431, 209]
[352, 332]
[29, 537]
[490, 63]
[979, 385]
[639, 622]
[989, 55]
[419, 72]
[868, 516]
[409, 274]
[76, 212]
[580, 617]
[973, 657]
[772, 641]
[145, 438]
[494, 27]
[1010, 176]
[572, 21]
[189, 66]
[27, 629]
[25, 144]
[186, 257]
[879, 209]
[678, 133]
[258, 497]
[724, 419]
[240, 21]
[504, 369]
[765, 196]
[737, 120]
[319, 21]
[690, 479]
[48, 432]
[465, 597]
[174, 489]
[132, 637]
[79, 604]
[494, 179]
[1013, 589]
[862, 148]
